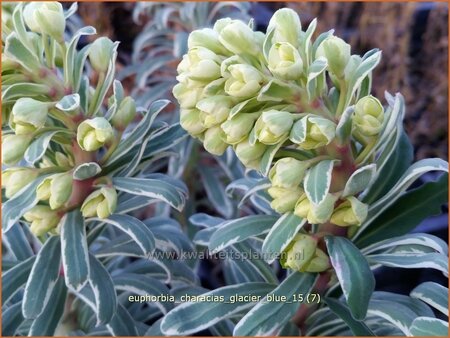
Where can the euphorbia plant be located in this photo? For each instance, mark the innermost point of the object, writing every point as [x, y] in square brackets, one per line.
[77, 160]
[337, 167]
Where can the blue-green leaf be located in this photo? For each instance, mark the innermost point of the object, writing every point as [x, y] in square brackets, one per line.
[16, 207]
[75, 256]
[433, 294]
[412, 261]
[142, 285]
[153, 188]
[134, 228]
[122, 324]
[193, 317]
[281, 234]
[45, 324]
[103, 290]
[12, 318]
[360, 180]
[139, 132]
[359, 328]
[15, 278]
[425, 326]
[353, 272]
[240, 229]
[17, 242]
[215, 191]
[43, 278]
[269, 317]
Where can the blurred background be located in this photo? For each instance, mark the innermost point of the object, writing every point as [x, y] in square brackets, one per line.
[412, 35]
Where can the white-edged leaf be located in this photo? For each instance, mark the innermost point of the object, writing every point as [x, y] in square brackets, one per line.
[12, 319]
[425, 326]
[268, 157]
[280, 235]
[412, 261]
[86, 170]
[153, 188]
[359, 328]
[142, 285]
[268, 317]
[45, 324]
[38, 147]
[216, 191]
[122, 324]
[134, 228]
[193, 317]
[15, 278]
[360, 180]
[69, 103]
[426, 240]
[353, 272]
[19, 90]
[397, 314]
[240, 229]
[17, 242]
[75, 256]
[413, 173]
[139, 132]
[103, 290]
[433, 294]
[43, 277]
[318, 180]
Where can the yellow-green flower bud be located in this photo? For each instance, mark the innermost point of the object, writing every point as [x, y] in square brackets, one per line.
[288, 172]
[101, 203]
[187, 96]
[28, 115]
[273, 126]
[369, 115]
[215, 109]
[239, 38]
[250, 155]
[14, 179]
[50, 18]
[100, 53]
[315, 213]
[42, 218]
[284, 199]
[245, 81]
[350, 212]
[191, 121]
[125, 113]
[95, 133]
[29, 16]
[201, 64]
[56, 189]
[213, 141]
[285, 61]
[312, 132]
[287, 27]
[319, 263]
[63, 160]
[238, 127]
[337, 52]
[207, 38]
[300, 252]
[14, 147]
[45, 17]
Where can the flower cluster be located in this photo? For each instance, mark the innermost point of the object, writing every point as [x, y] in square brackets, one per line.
[297, 110]
[57, 136]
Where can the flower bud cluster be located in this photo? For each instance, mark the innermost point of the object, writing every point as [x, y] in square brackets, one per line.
[267, 96]
[69, 135]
